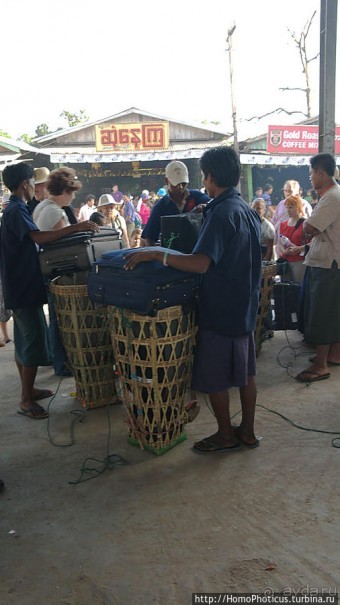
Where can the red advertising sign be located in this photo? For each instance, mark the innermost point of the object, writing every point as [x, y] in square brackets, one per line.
[294, 140]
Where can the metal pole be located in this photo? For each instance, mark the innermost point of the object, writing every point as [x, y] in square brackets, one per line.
[328, 31]
[233, 103]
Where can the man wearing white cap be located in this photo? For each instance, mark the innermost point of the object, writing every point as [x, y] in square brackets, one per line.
[40, 192]
[178, 200]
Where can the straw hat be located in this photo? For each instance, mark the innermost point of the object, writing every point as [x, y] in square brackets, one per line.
[41, 175]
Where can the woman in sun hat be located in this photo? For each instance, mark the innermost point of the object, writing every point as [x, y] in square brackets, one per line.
[107, 206]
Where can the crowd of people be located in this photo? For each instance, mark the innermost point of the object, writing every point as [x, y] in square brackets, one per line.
[39, 210]
[122, 212]
[282, 234]
[232, 243]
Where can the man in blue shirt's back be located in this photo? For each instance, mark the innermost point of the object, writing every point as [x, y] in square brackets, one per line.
[228, 254]
[23, 286]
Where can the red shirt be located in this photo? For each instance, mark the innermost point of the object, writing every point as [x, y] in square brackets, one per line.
[144, 213]
[296, 236]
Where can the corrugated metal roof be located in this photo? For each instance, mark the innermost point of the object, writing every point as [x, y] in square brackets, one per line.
[15, 146]
[126, 112]
[180, 146]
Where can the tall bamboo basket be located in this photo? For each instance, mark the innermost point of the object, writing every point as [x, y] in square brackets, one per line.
[269, 270]
[154, 360]
[86, 337]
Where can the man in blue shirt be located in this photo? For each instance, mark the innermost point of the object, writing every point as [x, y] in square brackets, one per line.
[228, 254]
[179, 199]
[23, 286]
[129, 215]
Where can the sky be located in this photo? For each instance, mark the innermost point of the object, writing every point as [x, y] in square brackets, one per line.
[163, 57]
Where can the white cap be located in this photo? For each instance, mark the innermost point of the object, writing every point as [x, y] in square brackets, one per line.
[176, 172]
[105, 200]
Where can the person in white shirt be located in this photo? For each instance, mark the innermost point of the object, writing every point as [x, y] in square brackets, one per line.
[322, 283]
[267, 229]
[88, 209]
[62, 185]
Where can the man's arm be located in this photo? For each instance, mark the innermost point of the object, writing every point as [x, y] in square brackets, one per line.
[309, 231]
[45, 237]
[269, 253]
[191, 263]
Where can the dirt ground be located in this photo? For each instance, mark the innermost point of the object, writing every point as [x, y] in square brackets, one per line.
[157, 529]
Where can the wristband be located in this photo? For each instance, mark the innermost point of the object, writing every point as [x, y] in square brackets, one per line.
[165, 256]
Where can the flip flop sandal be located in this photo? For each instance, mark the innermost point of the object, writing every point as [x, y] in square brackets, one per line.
[319, 376]
[35, 413]
[250, 446]
[213, 446]
[44, 394]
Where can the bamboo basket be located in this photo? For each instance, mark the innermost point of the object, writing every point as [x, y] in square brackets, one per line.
[154, 360]
[269, 270]
[86, 337]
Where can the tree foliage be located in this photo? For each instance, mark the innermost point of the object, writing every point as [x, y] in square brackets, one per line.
[26, 138]
[73, 119]
[42, 129]
[5, 134]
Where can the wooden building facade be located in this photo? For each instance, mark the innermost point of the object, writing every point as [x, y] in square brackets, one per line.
[130, 149]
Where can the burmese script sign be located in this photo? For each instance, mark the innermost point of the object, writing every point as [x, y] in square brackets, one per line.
[146, 136]
[297, 139]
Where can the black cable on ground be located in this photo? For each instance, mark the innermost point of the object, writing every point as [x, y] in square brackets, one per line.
[80, 416]
[291, 422]
[110, 460]
[108, 463]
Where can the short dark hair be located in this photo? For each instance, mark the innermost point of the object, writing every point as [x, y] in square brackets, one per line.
[267, 187]
[325, 161]
[14, 174]
[89, 197]
[223, 165]
[97, 217]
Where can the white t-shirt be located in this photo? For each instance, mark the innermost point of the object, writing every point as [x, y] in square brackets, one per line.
[85, 212]
[47, 214]
[325, 247]
[267, 231]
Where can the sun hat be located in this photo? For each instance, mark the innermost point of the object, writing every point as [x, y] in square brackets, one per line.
[161, 192]
[41, 175]
[105, 200]
[176, 172]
